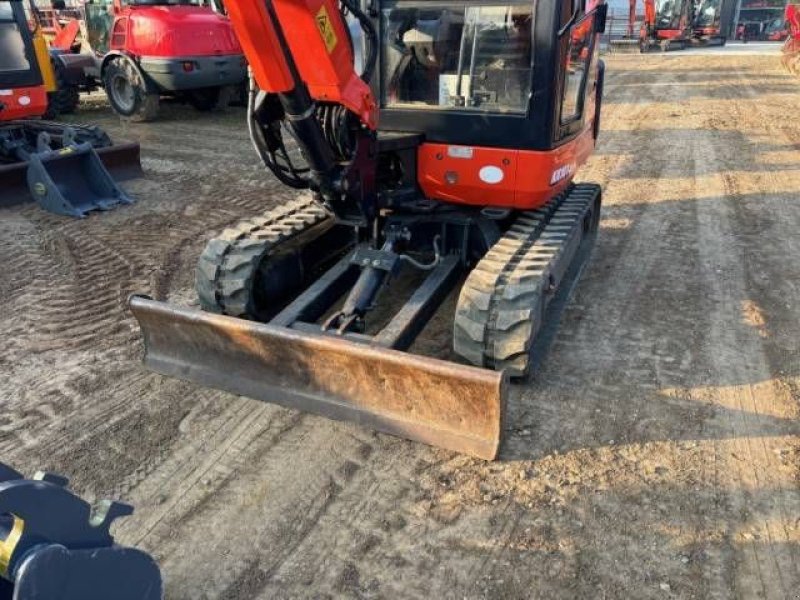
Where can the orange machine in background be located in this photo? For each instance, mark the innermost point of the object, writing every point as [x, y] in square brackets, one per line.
[790, 52]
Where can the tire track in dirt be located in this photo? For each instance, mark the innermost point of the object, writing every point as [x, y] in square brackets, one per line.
[79, 275]
[261, 445]
[770, 565]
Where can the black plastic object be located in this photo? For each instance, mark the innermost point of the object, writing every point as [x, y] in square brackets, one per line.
[73, 181]
[55, 546]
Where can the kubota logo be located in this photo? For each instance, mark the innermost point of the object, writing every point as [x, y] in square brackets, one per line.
[562, 173]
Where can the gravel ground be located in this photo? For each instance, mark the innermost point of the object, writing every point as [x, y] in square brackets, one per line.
[654, 455]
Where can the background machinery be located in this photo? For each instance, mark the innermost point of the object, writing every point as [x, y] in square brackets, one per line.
[55, 546]
[443, 168]
[63, 166]
[707, 22]
[668, 25]
[65, 69]
[154, 48]
[790, 52]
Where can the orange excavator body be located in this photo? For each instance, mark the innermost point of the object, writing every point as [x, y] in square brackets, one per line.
[324, 60]
[321, 54]
[429, 143]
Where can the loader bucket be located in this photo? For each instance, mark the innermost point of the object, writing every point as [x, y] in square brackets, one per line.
[73, 181]
[433, 401]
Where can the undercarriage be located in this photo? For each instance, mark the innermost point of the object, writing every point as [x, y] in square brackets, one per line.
[307, 287]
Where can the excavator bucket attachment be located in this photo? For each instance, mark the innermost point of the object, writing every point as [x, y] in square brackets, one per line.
[122, 161]
[624, 45]
[73, 181]
[440, 403]
[55, 546]
[68, 169]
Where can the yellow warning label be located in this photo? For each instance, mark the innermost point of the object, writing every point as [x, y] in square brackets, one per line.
[326, 29]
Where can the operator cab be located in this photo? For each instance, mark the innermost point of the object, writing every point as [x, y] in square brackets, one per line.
[669, 14]
[475, 58]
[497, 74]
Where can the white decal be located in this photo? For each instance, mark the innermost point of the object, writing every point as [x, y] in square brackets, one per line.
[490, 174]
[562, 173]
[6, 92]
[459, 152]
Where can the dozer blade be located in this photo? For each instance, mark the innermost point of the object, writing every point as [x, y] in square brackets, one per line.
[72, 181]
[437, 402]
[122, 162]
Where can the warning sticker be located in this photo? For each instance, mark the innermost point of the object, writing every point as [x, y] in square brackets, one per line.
[326, 29]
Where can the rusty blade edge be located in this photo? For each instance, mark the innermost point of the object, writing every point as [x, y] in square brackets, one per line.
[210, 360]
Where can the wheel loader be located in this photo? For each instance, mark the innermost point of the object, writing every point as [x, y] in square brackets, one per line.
[433, 158]
[64, 167]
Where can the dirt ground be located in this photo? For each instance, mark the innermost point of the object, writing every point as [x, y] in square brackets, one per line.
[655, 454]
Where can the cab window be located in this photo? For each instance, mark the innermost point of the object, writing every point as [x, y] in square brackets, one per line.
[12, 46]
[461, 57]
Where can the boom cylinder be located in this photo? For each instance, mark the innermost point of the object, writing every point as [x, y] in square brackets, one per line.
[300, 112]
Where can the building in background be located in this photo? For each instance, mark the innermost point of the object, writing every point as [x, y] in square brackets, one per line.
[761, 19]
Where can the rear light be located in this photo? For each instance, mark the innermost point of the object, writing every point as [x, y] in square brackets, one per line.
[188, 66]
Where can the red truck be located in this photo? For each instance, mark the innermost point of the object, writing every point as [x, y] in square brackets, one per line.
[155, 48]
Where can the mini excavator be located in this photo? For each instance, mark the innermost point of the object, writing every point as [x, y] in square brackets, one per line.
[437, 145]
[668, 25]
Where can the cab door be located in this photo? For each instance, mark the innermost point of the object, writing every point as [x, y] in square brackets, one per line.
[577, 102]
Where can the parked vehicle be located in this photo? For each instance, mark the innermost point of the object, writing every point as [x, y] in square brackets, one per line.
[154, 48]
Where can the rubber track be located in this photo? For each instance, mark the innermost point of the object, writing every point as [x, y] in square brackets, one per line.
[227, 268]
[502, 303]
